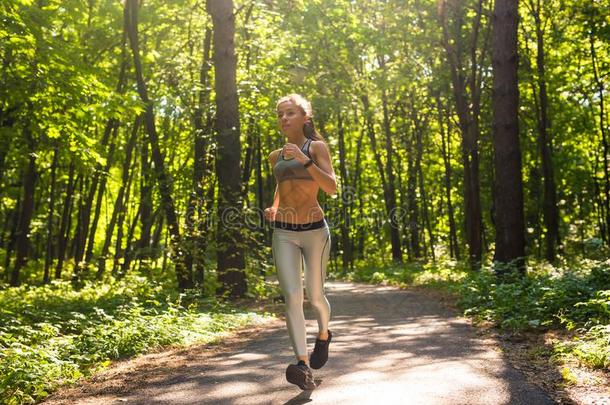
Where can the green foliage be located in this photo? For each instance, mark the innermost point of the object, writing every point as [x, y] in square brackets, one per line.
[540, 299]
[592, 348]
[443, 274]
[53, 335]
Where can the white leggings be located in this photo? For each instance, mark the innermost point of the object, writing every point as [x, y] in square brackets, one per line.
[313, 247]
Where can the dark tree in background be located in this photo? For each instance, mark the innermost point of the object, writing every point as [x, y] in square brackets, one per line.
[510, 237]
[230, 257]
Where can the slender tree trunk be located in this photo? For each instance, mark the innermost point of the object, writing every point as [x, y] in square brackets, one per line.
[123, 207]
[27, 209]
[602, 127]
[468, 117]
[550, 210]
[357, 182]
[599, 201]
[389, 195]
[230, 255]
[49, 251]
[84, 215]
[129, 248]
[110, 133]
[346, 199]
[201, 172]
[66, 220]
[118, 205]
[146, 201]
[510, 232]
[184, 279]
[156, 236]
[422, 189]
[100, 196]
[12, 239]
[454, 248]
[249, 158]
[412, 208]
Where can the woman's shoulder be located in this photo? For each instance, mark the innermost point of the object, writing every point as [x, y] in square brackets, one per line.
[318, 147]
[274, 155]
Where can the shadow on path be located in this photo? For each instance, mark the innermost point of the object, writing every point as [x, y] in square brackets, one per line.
[390, 346]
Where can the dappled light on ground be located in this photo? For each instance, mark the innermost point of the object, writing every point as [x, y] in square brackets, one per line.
[390, 346]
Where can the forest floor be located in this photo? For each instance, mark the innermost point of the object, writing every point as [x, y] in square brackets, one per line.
[390, 346]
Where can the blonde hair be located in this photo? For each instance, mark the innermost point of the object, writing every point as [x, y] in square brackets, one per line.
[309, 130]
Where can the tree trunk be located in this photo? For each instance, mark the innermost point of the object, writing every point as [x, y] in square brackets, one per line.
[146, 201]
[27, 209]
[454, 248]
[49, 251]
[118, 204]
[346, 199]
[468, 116]
[123, 206]
[110, 131]
[184, 279]
[357, 182]
[12, 239]
[195, 221]
[66, 220]
[412, 208]
[260, 194]
[605, 144]
[550, 210]
[391, 190]
[419, 125]
[510, 232]
[390, 203]
[230, 255]
[129, 248]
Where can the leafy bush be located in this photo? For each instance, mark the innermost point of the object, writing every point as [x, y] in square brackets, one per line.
[538, 299]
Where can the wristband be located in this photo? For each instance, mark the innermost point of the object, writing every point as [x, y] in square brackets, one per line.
[309, 163]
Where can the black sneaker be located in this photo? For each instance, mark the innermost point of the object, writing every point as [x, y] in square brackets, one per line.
[300, 374]
[319, 356]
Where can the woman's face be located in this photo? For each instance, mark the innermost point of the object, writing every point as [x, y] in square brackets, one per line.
[290, 118]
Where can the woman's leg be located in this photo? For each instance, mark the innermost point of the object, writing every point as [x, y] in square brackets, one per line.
[316, 250]
[287, 255]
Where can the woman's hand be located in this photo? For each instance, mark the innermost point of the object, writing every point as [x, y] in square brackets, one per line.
[291, 150]
[270, 213]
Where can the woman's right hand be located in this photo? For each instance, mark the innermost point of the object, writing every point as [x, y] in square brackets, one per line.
[270, 213]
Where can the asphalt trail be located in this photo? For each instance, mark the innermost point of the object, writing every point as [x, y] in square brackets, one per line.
[390, 346]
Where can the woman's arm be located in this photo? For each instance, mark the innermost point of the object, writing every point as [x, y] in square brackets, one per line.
[270, 212]
[276, 197]
[322, 169]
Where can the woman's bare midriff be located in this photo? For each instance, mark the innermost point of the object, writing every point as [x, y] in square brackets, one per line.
[299, 202]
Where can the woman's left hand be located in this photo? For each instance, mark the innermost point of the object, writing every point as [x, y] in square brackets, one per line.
[292, 150]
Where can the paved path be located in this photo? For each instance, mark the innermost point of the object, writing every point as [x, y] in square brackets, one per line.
[390, 346]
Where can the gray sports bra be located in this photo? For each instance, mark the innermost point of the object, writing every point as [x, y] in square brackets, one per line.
[292, 169]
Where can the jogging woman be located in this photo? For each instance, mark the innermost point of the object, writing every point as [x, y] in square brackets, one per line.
[300, 233]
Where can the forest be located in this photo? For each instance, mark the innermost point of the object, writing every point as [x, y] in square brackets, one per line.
[470, 141]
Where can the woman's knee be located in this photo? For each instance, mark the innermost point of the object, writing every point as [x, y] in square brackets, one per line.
[318, 301]
[293, 298]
